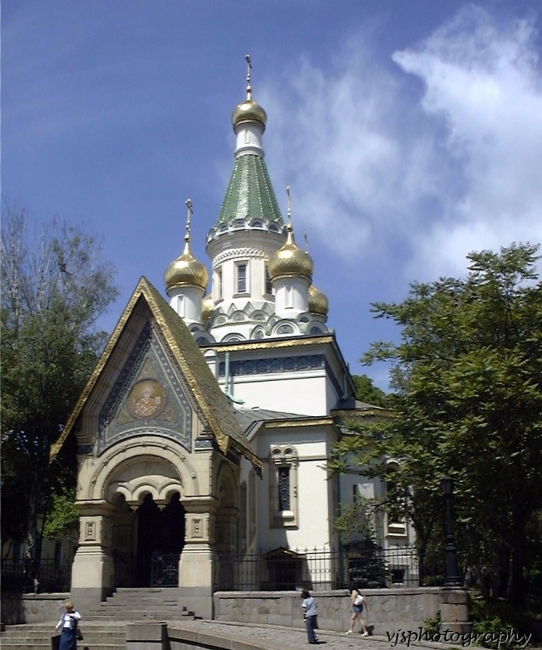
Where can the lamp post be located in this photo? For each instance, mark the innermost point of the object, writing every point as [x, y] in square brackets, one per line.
[452, 578]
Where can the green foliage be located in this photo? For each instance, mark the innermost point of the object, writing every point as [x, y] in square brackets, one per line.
[367, 392]
[54, 289]
[62, 518]
[494, 618]
[466, 376]
[432, 625]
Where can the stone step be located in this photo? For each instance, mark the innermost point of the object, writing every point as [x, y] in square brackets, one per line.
[37, 636]
[46, 645]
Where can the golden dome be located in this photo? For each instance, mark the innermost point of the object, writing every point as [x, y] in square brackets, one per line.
[186, 271]
[318, 302]
[290, 260]
[249, 111]
[207, 308]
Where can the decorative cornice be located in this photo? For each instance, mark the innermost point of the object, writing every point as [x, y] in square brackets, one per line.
[306, 422]
[259, 344]
[237, 253]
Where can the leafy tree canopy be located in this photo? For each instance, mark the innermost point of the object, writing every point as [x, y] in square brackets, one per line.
[367, 392]
[467, 379]
[54, 288]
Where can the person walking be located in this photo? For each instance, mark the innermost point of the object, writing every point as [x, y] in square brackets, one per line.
[310, 612]
[68, 622]
[357, 604]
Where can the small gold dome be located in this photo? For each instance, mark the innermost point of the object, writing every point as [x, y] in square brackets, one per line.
[186, 271]
[207, 308]
[248, 111]
[318, 302]
[290, 260]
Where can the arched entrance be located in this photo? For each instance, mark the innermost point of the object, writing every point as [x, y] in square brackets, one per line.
[148, 543]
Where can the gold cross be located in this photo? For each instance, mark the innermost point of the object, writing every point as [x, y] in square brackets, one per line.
[289, 207]
[188, 204]
[249, 68]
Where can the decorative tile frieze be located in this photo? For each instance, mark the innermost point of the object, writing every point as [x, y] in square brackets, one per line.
[276, 365]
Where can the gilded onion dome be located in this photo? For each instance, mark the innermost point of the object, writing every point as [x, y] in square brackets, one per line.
[207, 308]
[249, 110]
[318, 302]
[186, 271]
[290, 260]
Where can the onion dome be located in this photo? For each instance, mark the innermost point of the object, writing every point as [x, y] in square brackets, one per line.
[290, 260]
[207, 308]
[318, 302]
[249, 110]
[186, 271]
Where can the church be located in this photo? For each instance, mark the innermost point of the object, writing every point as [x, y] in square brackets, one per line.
[204, 430]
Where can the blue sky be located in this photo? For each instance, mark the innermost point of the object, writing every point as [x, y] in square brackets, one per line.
[410, 132]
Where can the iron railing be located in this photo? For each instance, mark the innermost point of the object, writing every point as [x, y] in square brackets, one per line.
[325, 569]
[22, 577]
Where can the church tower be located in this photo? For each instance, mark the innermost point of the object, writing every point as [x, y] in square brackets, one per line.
[261, 280]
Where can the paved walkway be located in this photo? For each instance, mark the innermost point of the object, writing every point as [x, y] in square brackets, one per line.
[288, 637]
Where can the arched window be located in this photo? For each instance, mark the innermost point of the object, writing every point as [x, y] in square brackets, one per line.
[283, 462]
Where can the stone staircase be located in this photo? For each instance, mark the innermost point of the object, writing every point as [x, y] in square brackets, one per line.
[131, 604]
[37, 636]
[104, 626]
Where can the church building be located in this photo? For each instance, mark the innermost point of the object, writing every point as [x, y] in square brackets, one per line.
[204, 430]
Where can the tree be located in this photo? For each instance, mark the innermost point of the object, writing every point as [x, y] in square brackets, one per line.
[467, 380]
[367, 392]
[55, 287]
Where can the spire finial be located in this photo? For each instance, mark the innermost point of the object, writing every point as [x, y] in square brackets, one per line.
[249, 68]
[289, 208]
[188, 204]
[306, 242]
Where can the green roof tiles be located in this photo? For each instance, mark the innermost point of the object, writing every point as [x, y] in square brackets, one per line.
[250, 193]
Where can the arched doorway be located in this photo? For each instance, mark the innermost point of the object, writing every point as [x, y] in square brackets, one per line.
[147, 543]
[160, 541]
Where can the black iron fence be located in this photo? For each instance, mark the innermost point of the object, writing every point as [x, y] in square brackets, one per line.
[328, 568]
[23, 577]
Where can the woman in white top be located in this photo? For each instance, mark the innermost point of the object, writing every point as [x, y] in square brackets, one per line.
[68, 622]
[357, 608]
[309, 609]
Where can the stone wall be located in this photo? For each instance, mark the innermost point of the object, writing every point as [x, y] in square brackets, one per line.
[389, 609]
[32, 608]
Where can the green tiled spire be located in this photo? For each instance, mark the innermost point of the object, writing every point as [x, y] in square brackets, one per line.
[250, 193]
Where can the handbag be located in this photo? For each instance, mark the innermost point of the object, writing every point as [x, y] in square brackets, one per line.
[79, 635]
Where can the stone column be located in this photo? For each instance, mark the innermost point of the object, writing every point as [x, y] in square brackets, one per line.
[197, 565]
[454, 610]
[93, 571]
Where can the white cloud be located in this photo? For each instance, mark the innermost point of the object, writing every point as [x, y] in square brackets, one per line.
[415, 184]
[483, 80]
[357, 167]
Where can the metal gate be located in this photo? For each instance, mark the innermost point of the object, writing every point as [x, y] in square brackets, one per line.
[165, 569]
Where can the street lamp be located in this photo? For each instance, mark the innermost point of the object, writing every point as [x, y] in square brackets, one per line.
[452, 578]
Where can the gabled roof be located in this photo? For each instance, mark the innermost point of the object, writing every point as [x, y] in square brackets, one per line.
[215, 406]
[249, 193]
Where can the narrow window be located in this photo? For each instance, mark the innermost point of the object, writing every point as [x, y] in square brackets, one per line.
[241, 278]
[284, 488]
[58, 554]
[268, 283]
[219, 283]
[289, 298]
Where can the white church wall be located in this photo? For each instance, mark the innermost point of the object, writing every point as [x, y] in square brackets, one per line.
[313, 492]
[303, 393]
